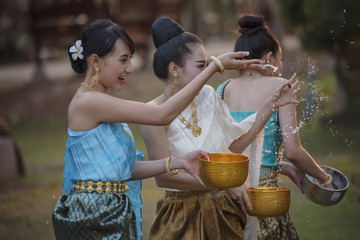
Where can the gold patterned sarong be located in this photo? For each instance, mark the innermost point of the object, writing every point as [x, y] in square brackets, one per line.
[274, 228]
[198, 215]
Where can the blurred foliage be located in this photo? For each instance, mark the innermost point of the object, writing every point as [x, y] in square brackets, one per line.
[332, 26]
[323, 24]
[15, 38]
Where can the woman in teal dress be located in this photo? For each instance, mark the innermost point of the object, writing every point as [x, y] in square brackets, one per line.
[244, 95]
[101, 158]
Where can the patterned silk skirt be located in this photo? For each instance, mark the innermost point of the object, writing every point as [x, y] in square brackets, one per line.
[83, 215]
[274, 228]
[198, 215]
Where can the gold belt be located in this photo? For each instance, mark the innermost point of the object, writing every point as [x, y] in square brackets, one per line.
[100, 187]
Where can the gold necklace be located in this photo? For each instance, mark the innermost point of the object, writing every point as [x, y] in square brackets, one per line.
[88, 86]
[196, 130]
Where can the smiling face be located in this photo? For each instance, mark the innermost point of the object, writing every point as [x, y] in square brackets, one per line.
[195, 63]
[115, 67]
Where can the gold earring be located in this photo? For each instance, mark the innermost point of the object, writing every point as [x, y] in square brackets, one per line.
[93, 82]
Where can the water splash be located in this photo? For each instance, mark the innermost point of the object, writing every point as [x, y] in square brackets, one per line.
[274, 68]
[270, 66]
[307, 68]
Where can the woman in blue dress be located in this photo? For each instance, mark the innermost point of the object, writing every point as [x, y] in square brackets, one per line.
[100, 159]
[244, 95]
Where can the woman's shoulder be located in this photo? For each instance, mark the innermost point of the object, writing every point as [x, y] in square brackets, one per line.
[275, 79]
[209, 92]
[207, 89]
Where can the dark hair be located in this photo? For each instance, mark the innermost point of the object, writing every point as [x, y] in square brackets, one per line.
[99, 38]
[172, 44]
[255, 37]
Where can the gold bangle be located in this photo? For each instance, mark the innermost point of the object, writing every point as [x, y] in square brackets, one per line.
[218, 64]
[167, 167]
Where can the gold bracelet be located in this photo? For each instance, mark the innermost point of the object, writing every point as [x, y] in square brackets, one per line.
[218, 64]
[167, 167]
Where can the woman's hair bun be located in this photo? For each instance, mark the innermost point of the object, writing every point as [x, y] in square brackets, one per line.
[163, 29]
[250, 24]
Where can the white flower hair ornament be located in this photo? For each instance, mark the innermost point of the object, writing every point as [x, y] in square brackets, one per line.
[76, 50]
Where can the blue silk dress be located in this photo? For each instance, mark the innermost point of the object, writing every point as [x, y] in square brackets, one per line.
[105, 153]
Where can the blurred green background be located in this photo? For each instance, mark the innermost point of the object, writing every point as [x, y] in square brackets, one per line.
[37, 83]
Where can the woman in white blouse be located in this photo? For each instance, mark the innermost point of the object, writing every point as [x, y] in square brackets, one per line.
[189, 210]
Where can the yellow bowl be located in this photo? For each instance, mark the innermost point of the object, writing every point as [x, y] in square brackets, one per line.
[269, 201]
[224, 170]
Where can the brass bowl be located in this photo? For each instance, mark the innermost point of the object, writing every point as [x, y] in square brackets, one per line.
[224, 170]
[269, 201]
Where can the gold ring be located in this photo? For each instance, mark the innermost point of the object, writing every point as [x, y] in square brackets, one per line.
[244, 65]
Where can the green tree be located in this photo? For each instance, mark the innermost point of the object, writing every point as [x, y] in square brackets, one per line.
[332, 26]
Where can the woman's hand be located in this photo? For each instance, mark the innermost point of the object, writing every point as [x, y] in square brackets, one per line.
[240, 194]
[234, 61]
[295, 174]
[285, 93]
[190, 162]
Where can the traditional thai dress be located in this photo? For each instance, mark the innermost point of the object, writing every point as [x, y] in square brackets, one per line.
[271, 158]
[201, 214]
[106, 153]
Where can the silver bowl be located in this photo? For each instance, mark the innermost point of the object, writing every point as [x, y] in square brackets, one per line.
[326, 196]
